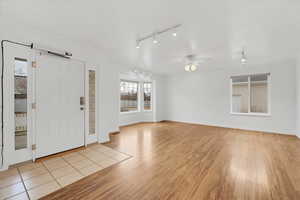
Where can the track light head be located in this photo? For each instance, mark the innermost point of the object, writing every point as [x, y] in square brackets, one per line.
[243, 61]
[138, 44]
[154, 38]
[243, 58]
[174, 34]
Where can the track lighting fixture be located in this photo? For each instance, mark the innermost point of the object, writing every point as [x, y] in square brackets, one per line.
[155, 39]
[154, 35]
[174, 33]
[138, 44]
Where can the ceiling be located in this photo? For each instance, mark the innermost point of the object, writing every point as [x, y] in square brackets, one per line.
[269, 30]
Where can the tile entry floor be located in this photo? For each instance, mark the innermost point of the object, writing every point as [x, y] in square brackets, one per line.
[35, 180]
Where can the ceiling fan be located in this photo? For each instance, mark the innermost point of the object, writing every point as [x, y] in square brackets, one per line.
[192, 61]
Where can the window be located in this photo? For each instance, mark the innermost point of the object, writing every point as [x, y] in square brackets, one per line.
[250, 94]
[21, 81]
[147, 95]
[92, 102]
[129, 96]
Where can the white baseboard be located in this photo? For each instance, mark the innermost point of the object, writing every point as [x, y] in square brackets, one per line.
[103, 141]
[237, 127]
[3, 168]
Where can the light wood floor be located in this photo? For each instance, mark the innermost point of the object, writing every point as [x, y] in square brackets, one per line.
[182, 161]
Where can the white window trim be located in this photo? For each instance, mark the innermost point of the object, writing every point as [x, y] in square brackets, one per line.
[138, 96]
[129, 112]
[151, 102]
[94, 137]
[268, 114]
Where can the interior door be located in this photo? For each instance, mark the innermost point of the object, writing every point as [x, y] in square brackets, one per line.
[59, 115]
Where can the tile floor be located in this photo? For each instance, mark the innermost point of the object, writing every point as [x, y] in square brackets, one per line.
[34, 180]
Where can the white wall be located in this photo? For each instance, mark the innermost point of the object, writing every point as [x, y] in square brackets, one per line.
[135, 117]
[298, 96]
[204, 98]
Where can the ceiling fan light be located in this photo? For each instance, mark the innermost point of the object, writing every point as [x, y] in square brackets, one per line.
[187, 68]
[193, 68]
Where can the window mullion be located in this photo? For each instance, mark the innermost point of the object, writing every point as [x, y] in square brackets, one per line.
[249, 94]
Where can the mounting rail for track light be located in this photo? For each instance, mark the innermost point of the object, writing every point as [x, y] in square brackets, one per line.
[60, 53]
[156, 33]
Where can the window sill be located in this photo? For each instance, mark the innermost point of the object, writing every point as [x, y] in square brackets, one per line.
[129, 112]
[147, 110]
[252, 114]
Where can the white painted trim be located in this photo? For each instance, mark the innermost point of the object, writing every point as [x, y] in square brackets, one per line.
[103, 141]
[129, 112]
[4, 168]
[142, 94]
[148, 111]
[154, 101]
[269, 93]
[230, 96]
[252, 114]
[249, 113]
[235, 127]
[91, 138]
[34, 114]
[138, 95]
[249, 94]
[12, 156]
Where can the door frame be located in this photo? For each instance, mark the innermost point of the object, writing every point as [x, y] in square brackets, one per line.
[91, 138]
[12, 156]
[9, 155]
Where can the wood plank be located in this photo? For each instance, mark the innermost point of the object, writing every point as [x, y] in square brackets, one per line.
[186, 161]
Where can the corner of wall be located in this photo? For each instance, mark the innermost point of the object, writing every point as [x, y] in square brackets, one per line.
[298, 97]
[5, 167]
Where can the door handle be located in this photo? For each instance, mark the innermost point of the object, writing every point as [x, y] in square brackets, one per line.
[82, 103]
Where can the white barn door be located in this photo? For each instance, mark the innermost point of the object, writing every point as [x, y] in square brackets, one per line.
[59, 113]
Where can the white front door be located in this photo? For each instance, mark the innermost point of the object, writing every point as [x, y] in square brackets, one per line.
[59, 115]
